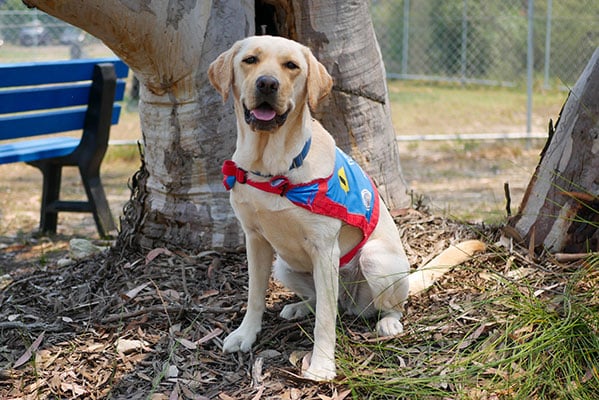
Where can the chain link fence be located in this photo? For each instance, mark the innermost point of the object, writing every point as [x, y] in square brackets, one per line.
[490, 42]
[485, 41]
[471, 41]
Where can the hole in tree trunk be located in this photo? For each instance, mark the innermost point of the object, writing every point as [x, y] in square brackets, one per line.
[265, 19]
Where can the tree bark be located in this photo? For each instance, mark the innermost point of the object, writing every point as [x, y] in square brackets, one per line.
[187, 133]
[357, 113]
[560, 209]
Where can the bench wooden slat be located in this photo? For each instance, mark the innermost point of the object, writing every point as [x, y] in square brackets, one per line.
[37, 149]
[46, 97]
[42, 73]
[33, 124]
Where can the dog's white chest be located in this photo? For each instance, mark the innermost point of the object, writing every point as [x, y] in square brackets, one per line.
[293, 232]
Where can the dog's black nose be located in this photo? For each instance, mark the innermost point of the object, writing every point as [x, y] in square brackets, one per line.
[267, 84]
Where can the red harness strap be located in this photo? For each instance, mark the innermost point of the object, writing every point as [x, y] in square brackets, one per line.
[311, 196]
[277, 184]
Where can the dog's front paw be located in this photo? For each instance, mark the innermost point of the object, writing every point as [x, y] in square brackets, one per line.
[296, 310]
[320, 373]
[389, 325]
[239, 339]
[321, 370]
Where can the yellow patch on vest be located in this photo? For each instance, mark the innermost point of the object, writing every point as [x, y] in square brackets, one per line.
[343, 179]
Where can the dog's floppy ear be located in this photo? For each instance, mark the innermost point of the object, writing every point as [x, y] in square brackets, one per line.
[220, 72]
[319, 81]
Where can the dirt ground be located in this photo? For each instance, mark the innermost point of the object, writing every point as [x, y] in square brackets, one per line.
[121, 325]
[465, 180]
[126, 326]
[129, 326]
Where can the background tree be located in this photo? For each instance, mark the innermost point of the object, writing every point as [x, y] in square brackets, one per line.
[560, 209]
[187, 133]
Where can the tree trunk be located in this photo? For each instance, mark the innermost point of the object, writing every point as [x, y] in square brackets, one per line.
[357, 113]
[560, 209]
[187, 132]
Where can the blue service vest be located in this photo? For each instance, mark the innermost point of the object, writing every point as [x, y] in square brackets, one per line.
[347, 194]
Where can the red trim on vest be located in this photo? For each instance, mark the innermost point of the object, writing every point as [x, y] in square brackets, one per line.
[323, 205]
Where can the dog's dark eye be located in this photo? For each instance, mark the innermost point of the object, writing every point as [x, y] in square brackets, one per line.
[291, 65]
[250, 60]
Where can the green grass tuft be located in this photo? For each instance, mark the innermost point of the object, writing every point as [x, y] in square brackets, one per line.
[547, 348]
[525, 340]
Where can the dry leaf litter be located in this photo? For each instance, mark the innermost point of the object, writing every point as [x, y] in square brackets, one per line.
[122, 325]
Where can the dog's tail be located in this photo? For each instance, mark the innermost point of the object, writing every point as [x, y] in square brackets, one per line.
[426, 275]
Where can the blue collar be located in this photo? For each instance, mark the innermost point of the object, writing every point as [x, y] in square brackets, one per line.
[297, 161]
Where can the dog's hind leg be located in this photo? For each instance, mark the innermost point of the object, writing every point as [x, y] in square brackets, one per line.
[302, 284]
[386, 270]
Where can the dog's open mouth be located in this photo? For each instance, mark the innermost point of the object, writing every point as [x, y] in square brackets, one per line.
[264, 117]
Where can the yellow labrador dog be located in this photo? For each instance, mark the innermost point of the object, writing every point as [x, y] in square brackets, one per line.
[288, 186]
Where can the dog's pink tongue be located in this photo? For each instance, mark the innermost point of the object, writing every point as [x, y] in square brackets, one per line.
[264, 114]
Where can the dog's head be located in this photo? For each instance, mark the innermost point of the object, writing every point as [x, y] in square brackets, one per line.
[271, 78]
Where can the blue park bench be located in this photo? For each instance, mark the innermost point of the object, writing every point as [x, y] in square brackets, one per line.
[48, 98]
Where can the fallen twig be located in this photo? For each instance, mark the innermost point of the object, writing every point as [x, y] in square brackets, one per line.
[566, 257]
[35, 326]
[162, 309]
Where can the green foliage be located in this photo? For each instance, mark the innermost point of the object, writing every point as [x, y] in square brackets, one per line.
[548, 348]
[12, 5]
[451, 23]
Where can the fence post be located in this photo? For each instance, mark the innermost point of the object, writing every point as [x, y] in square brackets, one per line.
[406, 38]
[464, 40]
[546, 84]
[529, 70]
